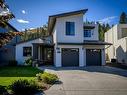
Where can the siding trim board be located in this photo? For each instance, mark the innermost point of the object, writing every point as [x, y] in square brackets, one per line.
[86, 43]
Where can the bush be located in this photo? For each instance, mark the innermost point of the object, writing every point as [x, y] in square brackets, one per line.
[24, 87]
[29, 61]
[12, 63]
[2, 90]
[39, 76]
[49, 78]
[113, 60]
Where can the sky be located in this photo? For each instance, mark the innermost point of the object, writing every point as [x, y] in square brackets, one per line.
[34, 13]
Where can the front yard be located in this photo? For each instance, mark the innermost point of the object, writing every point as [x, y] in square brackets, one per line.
[25, 80]
[10, 74]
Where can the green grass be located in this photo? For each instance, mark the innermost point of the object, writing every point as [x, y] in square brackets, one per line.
[10, 74]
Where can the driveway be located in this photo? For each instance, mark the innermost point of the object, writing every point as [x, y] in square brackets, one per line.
[101, 80]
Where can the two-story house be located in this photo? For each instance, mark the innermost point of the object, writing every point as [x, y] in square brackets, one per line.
[117, 35]
[71, 43]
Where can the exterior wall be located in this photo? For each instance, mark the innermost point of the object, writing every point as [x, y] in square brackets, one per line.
[94, 35]
[61, 29]
[120, 26]
[54, 35]
[58, 54]
[119, 48]
[111, 36]
[7, 52]
[19, 50]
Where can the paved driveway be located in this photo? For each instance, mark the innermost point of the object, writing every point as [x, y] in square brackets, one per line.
[89, 81]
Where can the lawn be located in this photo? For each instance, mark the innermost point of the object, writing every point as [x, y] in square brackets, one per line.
[9, 74]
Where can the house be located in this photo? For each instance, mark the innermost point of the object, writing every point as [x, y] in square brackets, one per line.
[70, 43]
[8, 28]
[117, 35]
[7, 52]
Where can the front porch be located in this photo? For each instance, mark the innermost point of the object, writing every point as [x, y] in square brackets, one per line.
[43, 53]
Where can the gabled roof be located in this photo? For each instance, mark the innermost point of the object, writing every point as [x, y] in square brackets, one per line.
[15, 30]
[52, 19]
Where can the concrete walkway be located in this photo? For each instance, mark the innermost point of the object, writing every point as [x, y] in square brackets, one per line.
[88, 81]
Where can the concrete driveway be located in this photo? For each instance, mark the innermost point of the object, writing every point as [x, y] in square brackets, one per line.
[89, 81]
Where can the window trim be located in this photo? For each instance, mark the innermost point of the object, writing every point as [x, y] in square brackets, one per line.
[26, 54]
[68, 32]
[89, 33]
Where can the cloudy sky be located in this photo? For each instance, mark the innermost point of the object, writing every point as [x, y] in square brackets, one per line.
[34, 13]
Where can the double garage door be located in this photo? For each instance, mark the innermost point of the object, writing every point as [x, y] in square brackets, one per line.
[70, 57]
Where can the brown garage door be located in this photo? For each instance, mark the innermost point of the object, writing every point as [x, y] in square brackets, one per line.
[70, 57]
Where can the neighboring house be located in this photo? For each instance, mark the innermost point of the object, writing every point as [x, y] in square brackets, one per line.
[72, 43]
[7, 52]
[117, 35]
[8, 28]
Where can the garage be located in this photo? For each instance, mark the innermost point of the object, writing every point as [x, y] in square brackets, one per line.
[93, 57]
[70, 57]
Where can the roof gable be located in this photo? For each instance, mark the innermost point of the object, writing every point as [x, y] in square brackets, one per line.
[52, 19]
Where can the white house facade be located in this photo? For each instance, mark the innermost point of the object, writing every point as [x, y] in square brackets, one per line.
[117, 35]
[73, 43]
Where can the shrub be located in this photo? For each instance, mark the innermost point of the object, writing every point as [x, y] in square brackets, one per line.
[2, 90]
[12, 63]
[24, 87]
[113, 60]
[38, 76]
[29, 61]
[49, 78]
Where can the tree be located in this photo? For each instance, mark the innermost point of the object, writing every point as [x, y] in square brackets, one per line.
[102, 28]
[123, 18]
[34, 33]
[5, 14]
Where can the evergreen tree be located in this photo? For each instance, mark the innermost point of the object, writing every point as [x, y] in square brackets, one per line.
[123, 18]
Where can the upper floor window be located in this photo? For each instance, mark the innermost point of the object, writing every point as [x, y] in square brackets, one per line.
[27, 51]
[124, 32]
[70, 28]
[87, 33]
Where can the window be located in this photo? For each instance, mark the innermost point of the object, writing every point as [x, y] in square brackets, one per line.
[27, 51]
[124, 32]
[87, 33]
[70, 28]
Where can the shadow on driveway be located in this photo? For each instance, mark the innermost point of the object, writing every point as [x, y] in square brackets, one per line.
[98, 69]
